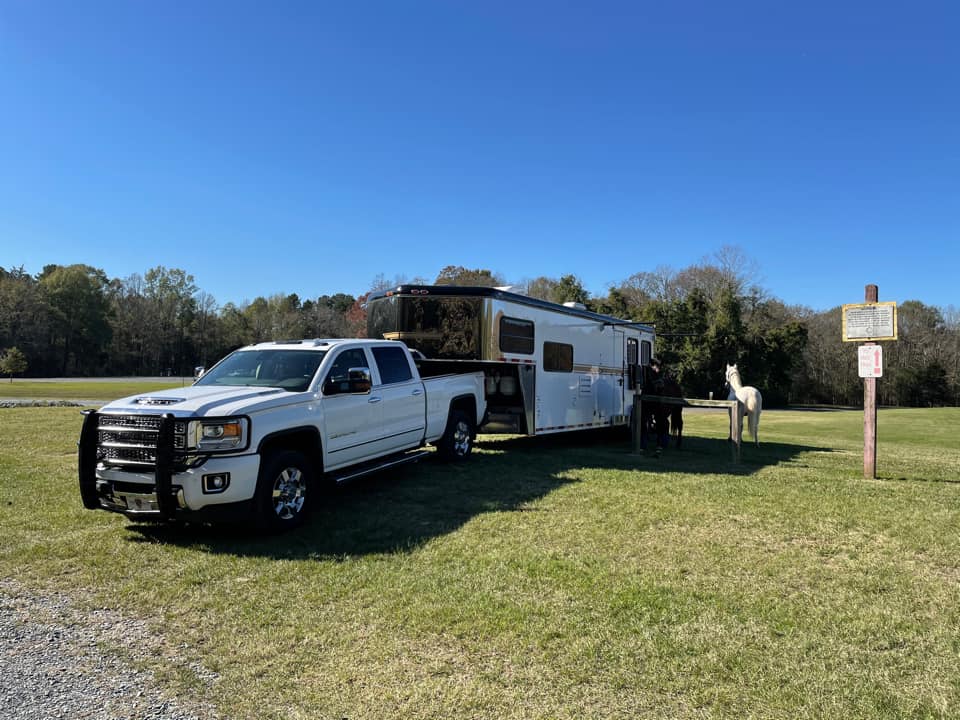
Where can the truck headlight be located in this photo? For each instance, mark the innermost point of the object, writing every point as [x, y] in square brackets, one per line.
[220, 434]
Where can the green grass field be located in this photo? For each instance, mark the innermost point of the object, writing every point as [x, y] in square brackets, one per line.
[546, 578]
[80, 389]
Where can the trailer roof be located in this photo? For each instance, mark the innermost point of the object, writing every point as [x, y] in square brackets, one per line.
[479, 291]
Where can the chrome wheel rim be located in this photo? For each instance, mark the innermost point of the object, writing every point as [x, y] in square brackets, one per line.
[461, 438]
[289, 493]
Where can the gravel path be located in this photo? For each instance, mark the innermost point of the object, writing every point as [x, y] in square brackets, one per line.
[57, 661]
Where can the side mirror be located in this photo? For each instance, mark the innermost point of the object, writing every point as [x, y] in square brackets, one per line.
[359, 380]
[198, 372]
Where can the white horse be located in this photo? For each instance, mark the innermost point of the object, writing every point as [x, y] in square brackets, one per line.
[748, 399]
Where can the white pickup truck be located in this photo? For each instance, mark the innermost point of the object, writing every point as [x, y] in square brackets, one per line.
[259, 436]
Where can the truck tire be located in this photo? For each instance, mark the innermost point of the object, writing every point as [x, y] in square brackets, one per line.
[457, 440]
[284, 486]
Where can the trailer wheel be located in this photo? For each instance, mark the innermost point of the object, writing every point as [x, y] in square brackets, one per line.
[284, 486]
[457, 440]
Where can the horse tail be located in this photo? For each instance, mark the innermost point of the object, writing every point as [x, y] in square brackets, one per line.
[753, 419]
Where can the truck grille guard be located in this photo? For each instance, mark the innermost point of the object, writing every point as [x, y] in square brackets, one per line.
[142, 442]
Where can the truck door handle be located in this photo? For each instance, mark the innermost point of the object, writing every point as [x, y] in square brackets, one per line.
[418, 391]
[374, 399]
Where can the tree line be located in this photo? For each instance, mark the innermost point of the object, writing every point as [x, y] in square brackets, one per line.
[76, 321]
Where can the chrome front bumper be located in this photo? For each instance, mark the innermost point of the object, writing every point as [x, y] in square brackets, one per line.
[123, 499]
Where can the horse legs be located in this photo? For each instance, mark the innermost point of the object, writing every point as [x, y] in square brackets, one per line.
[662, 419]
[653, 421]
[646, 416]
[739, 411]
[753, 420]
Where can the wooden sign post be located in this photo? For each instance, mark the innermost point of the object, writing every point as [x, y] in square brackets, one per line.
[869, 322]
[870, 407]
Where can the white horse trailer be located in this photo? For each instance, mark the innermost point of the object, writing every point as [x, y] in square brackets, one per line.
[548, 368]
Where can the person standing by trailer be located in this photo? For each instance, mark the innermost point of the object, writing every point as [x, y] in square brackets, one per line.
[548, 368]
[657, 413]
[659, 417]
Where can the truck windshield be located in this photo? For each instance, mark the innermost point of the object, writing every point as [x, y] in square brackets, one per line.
[290, 370]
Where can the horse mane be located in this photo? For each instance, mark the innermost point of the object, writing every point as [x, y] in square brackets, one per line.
[734, 372]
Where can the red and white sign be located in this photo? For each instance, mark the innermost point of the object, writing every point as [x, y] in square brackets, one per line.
[870, 361]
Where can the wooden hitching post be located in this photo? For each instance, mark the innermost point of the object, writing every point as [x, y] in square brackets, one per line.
[736, 428]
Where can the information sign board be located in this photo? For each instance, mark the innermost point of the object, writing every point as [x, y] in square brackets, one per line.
[870, 361]
[869, 322]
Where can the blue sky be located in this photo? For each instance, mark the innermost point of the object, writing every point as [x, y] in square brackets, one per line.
[309, 147]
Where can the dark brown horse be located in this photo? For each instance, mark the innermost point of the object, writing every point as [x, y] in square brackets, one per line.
[657, 417]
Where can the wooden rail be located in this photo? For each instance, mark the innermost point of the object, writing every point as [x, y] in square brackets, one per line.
[729, 405]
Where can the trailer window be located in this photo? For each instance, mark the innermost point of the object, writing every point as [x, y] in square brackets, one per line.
[557, 357]
[382, 318]
[631, 360]
[516, 336]
[438, 326]
[646, 352]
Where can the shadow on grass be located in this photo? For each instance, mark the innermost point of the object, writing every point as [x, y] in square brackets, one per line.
[398, 511]
[612, 449]
[896, 477]
[389, 512]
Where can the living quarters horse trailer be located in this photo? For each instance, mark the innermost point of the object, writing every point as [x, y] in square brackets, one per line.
[548, 368]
